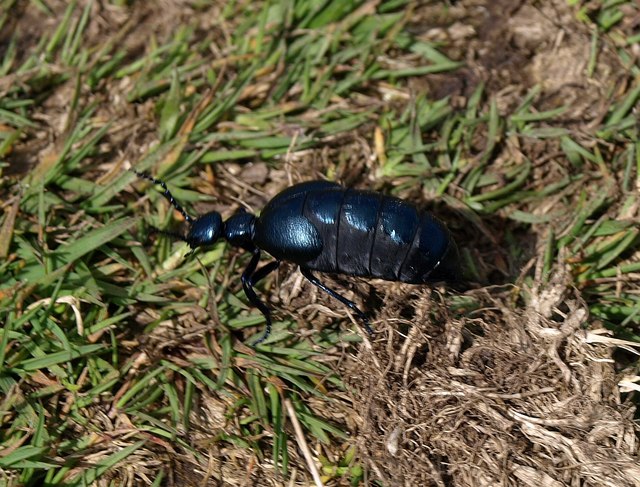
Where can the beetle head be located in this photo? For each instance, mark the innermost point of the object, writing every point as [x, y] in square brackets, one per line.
[205, 230]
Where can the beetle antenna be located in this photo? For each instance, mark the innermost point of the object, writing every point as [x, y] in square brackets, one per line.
[167, 195]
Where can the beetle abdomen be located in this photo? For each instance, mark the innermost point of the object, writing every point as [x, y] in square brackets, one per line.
[325, 227]
[432, 256]
[371, 235]
[395, 234]
[357, 232]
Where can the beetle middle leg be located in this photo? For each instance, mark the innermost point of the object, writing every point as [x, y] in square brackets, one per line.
[314, 280]
[249, 279]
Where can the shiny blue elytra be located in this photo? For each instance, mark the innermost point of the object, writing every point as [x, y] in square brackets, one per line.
[322, 226]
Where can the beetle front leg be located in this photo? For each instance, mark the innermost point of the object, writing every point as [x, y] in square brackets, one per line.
[249, 278]
[314, 280]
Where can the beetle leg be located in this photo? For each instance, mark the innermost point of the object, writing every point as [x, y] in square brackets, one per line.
[314, 280]
[249, 278]
[264, 271]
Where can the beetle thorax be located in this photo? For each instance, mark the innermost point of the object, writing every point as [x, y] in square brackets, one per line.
[239, 230]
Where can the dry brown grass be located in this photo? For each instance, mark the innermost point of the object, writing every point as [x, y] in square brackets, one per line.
[511, 394]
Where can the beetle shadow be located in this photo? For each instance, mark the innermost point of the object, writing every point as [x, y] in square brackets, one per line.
[493, 250]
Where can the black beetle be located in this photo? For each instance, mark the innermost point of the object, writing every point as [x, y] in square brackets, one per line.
[322, 226]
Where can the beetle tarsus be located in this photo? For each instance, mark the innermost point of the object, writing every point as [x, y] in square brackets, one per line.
[314, 280]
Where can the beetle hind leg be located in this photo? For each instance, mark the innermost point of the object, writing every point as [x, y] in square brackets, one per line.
[314, 280]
